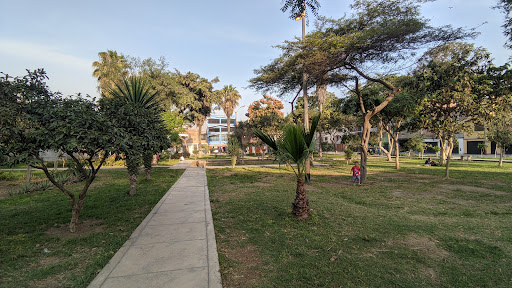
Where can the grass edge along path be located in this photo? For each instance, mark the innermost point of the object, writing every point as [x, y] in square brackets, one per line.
[37, 249]
[405, 228]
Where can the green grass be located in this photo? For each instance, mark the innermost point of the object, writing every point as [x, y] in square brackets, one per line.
[31, 223]
[227, 162]
[406, 228]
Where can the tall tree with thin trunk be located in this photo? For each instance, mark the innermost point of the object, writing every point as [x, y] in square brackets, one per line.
[110, 69]
[228, 101]
[194, 96]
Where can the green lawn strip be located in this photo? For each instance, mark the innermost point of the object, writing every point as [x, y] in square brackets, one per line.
[227, 162]
[405, 228]
[35, 223]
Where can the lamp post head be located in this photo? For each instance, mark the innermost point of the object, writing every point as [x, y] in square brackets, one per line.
[299, 17]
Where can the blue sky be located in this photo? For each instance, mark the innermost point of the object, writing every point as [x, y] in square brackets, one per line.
[226, 38]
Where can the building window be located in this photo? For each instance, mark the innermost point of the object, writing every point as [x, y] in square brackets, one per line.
[213, 121]
[224, 121]
[213, 130]
[479, 128]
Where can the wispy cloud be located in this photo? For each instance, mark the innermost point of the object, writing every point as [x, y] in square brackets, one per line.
[41, 53]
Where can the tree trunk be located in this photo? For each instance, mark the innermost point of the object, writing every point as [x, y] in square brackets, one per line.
[133, 184]
[200, 153]
[381, 133]
[442, 153]
[365, 138]
[397, 157]
[147, 158]
[502, 152]
[449, 152]
[229, 124]
[29, 174]
[320, 152]
[75, 213]
[301, 204]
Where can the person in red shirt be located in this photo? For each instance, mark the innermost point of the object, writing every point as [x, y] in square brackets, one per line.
[356, 173]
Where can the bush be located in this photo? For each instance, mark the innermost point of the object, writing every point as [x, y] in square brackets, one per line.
[6, 176]
[348, 154]
[327, 147]
[178, 155]
[27, 188]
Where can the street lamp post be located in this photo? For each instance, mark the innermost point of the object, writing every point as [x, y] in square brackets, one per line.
[302, 16]
[236, 114]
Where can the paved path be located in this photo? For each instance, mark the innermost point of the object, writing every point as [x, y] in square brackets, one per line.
[174, 246]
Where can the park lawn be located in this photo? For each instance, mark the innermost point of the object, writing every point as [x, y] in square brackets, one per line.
[36, 223]
[227, 162]
[406, 228]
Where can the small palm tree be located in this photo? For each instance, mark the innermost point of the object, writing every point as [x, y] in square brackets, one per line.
[137, 93]
[295, 147]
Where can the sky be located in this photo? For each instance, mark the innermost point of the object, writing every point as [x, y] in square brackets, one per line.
[224, 38]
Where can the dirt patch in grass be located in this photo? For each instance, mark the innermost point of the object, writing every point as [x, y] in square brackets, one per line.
[246, 272]
[427, 246]
[227, 173]
[53, 281]
[472, 189]
[4, 189]
[84, 228]
[261, 184]
[311, 188]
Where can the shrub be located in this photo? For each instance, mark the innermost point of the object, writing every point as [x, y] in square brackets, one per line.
[348, 154]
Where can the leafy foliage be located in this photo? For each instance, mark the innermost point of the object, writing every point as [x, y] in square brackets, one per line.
[295, 147]
[506, 7]
[449, 78]
[135, 111]
[40, 120]
[110, 69]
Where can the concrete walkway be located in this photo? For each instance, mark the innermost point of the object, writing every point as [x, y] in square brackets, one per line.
[174, 246]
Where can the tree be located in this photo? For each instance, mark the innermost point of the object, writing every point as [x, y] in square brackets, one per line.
[481, 147]
[110, 69]
[40, 120]
[243, 133]
[173, 122]
[506, 7]
[295, 147]
[416, 144]
[135, 110]
[380, 35]
[228, 101]
[194, 96]
[265, 115]
[500, 131]
[496, 111]
[449, 79]
[233, 149]
[391, 119]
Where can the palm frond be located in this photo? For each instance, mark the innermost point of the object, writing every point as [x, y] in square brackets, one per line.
[267, 139]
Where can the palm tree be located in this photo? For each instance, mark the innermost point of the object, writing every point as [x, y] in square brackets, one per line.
[135, 92]
[295, 147]
[228, 102]
[111, 68]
